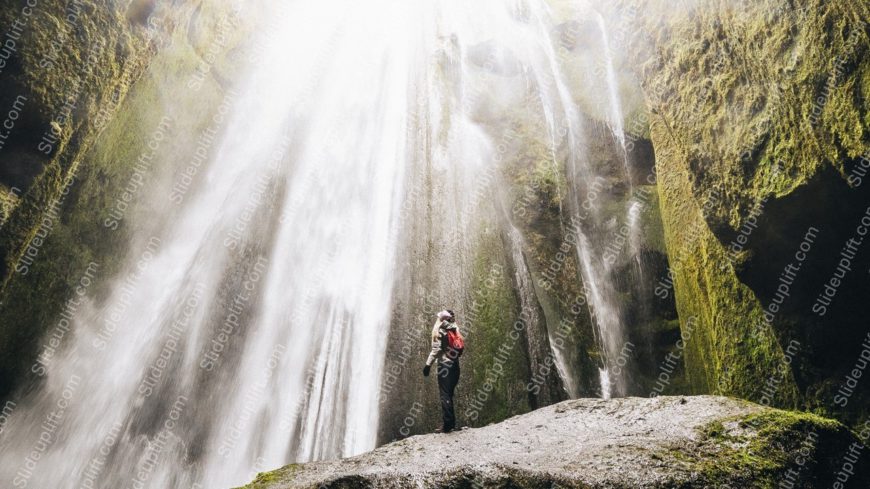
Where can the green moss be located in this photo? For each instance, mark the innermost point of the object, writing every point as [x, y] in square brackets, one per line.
[8, 202]
[731, 349]
[733, 91]
[799, 49]
[761, 448]
[265, 480]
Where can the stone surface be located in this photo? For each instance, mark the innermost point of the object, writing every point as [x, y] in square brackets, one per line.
[685, 442]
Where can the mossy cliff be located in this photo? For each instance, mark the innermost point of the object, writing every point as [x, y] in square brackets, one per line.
[97, 83]
[758, 113]
[71, 68]
[68, 69]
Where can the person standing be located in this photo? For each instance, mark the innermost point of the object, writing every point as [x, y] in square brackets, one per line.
[447, 346]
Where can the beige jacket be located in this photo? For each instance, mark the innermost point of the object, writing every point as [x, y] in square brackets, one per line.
[439, 343]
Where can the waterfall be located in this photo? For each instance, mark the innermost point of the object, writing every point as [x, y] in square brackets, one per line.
[597, 251]
[247, 330]
[538, 339]
[250, 330]
[615, 105]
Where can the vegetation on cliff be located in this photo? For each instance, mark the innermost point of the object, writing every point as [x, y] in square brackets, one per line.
[759, 119]
[95, 132]
[750, 160]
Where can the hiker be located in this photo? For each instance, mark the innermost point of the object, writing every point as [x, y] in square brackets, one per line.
[447, 346]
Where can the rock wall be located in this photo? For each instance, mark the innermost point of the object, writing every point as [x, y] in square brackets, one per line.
[91, 86]
[759, 118]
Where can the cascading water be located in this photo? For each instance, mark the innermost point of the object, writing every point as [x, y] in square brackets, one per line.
[249, 330]
[247, 336]
[600, 251]
[615, 105]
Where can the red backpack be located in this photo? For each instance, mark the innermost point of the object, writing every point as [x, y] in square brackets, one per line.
[455, 342]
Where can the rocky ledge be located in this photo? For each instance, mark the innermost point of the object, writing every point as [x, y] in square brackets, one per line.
[666, 442]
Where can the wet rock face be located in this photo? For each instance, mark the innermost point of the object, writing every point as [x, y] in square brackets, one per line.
[85, 82]
[760, 126]
[65, 70]
[665, 442]
[60, 65]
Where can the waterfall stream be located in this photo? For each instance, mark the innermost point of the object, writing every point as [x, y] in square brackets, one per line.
[248, 330]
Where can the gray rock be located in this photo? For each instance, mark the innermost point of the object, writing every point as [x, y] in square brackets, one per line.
[665, 442]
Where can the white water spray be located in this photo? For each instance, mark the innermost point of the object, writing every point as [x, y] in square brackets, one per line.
[249, 331]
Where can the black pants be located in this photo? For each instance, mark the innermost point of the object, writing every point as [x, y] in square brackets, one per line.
[448, 377]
